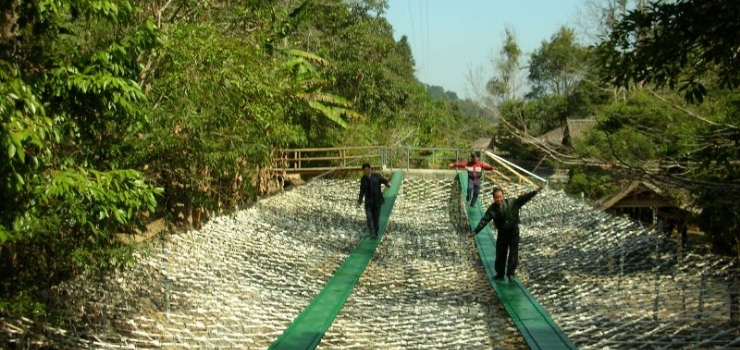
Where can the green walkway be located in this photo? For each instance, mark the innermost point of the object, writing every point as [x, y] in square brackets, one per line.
[533, 322]
[309, 327]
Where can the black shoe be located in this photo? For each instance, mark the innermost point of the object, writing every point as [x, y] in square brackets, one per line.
[374, 235]
[498, 277]
[511, 276]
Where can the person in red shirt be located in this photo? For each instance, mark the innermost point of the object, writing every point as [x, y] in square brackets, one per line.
[475, 173]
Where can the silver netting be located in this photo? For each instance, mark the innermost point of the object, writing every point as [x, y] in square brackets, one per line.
[425, 287]
[238, 283]
[612, 284]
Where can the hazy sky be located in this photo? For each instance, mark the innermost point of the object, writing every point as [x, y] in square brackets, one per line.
[448, 37]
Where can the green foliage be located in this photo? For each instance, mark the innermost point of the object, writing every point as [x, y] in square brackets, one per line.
[220, 113]
[688, 46]
[375, 74]
[330, 106]
[556, 67]
[369, 67]
[469, 109]
[723, 224]
[104, 113]
[718, 151]
[559, 74]
[684, 44]
[505, 85]
[69, 104]
[592, 183]
[24, 130]
[75, 214]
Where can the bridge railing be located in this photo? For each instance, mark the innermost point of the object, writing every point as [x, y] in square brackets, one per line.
[298, 160]
[422, 157]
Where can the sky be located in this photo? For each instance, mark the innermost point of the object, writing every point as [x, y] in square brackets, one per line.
[450, 37]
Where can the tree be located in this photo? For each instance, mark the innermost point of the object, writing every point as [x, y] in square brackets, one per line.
[506, 83]
[685, 44]
[371, 70]
[69, 108]
[557, 66]
[689, 46]
[597, 18]
[560, 76]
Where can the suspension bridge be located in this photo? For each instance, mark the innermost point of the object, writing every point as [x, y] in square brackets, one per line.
[298, 271]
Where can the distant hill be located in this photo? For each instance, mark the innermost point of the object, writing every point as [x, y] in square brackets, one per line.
[469, 108]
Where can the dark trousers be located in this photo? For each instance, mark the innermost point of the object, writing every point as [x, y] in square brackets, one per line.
[507, 252]
[372, 213]
[473, 191]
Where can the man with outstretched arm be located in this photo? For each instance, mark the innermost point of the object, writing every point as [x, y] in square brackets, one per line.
[475, 172]
[505, 216]
[370, 189]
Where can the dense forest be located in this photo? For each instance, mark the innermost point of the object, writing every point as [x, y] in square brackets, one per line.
[113, 110]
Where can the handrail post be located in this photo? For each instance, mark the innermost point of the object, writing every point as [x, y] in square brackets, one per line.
[390, 153]
[381, 153]
[384, 156]
[408, 159]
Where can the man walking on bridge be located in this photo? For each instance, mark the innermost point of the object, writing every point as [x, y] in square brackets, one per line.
[370, 189]
[505, 216]
[475, 173]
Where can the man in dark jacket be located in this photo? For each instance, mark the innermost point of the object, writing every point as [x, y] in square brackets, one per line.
[475, 173]
[505, 216]
[370, 189]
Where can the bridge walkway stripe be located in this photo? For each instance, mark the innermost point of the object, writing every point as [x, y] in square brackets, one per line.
[307, 329]
[534, 323]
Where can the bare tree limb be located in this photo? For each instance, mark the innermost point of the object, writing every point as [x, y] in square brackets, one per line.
[160, 11]
[688, 112]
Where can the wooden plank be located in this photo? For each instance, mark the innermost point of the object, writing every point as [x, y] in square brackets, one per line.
[531, 319]
[324, 149]
[295, 159]
[325, 169]
[309, 327]
[642, 203]
[324, 158]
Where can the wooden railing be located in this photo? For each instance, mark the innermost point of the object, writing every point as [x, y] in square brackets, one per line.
[317, 160]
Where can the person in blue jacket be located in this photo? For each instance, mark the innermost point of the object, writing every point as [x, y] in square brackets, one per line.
[505, 216]
[370, 190]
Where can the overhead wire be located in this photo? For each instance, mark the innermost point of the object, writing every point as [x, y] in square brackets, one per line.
[411, 19]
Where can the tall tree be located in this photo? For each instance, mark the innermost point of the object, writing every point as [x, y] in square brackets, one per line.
[506, 83]
[69, 109]
[557, 66]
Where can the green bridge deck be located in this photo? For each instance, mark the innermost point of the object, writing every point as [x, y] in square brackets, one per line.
[533, 322]
[309, 327]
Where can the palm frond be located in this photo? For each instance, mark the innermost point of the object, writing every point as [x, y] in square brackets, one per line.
[326, 98]
[310, 85]
[354, 115]
[333, 114]
[307, 56]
